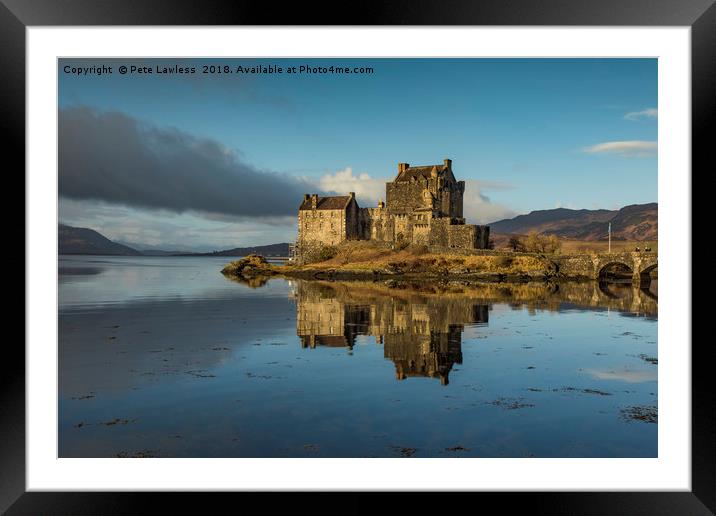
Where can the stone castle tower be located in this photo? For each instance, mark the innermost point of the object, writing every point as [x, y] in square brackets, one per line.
[424, 205]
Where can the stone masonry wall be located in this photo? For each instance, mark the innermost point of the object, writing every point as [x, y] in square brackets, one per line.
[439, 232]
[483, 238]
[421, 234]
[405, 197]
[463, 236]
[354, 228]
[325, 226]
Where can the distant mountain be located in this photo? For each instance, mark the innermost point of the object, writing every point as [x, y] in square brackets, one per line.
[263, 250]
[87, 241]
[159, 252]
[634, 222]
[164, 249]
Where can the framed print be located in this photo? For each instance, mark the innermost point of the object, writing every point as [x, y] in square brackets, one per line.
[301, 255]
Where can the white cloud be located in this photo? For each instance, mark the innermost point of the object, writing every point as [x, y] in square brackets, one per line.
[626, 148]
[367, 189]
[648, 113]
[478, 208]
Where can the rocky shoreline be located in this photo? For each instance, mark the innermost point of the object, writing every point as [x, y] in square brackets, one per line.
[384, 275]
[253, 267]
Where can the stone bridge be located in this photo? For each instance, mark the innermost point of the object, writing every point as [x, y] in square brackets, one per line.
[641, 264]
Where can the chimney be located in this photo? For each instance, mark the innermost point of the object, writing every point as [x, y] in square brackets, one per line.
[402, 167]
[306, 197]
[448, 164]
[314, 201]
[352, 195]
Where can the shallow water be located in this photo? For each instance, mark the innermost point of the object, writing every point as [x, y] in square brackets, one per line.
[164, 357]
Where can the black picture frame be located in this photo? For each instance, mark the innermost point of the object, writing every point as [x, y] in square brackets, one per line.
[17, 15]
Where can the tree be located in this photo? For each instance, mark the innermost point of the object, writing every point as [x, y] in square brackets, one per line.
[536, 243]
[515, 243]
[533, 243]
[553, 244]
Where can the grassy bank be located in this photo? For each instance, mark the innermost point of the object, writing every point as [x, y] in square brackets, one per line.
[368, 259]
[618, 246]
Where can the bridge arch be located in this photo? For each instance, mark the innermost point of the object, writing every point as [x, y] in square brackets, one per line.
[604, 289]
[649, 268]
[609, 267]
[645, 275]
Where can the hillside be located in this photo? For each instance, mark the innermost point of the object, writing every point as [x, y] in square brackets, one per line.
[263, 250]
[160, 250]
[634, 222]
[71, 240]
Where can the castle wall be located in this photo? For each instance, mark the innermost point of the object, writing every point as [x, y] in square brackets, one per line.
[402, 228]
[468, 236]
[439, 232]
[445, 204]
[457, 200]
[376, 225]
[327, 227]
[421, 234]
[320, 227]
[406, 197]
[463, 236]
[483, 238]
[354, 229]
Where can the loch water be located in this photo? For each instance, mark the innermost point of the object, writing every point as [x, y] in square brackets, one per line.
[165, 357]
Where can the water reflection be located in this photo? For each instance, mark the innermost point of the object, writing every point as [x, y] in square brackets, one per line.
[420, 325]
[421, 333]
[165, 357]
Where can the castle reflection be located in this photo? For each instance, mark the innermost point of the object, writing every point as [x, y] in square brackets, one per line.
[421, 333]
[420, 325]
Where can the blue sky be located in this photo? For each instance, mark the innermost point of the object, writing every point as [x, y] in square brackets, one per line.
[526, 134]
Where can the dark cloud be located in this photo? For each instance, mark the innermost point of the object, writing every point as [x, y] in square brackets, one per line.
[112, 157]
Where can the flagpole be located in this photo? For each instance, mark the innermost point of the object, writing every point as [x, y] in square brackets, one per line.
[610, 238]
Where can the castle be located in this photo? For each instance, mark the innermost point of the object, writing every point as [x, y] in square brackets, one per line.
[423, 206]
